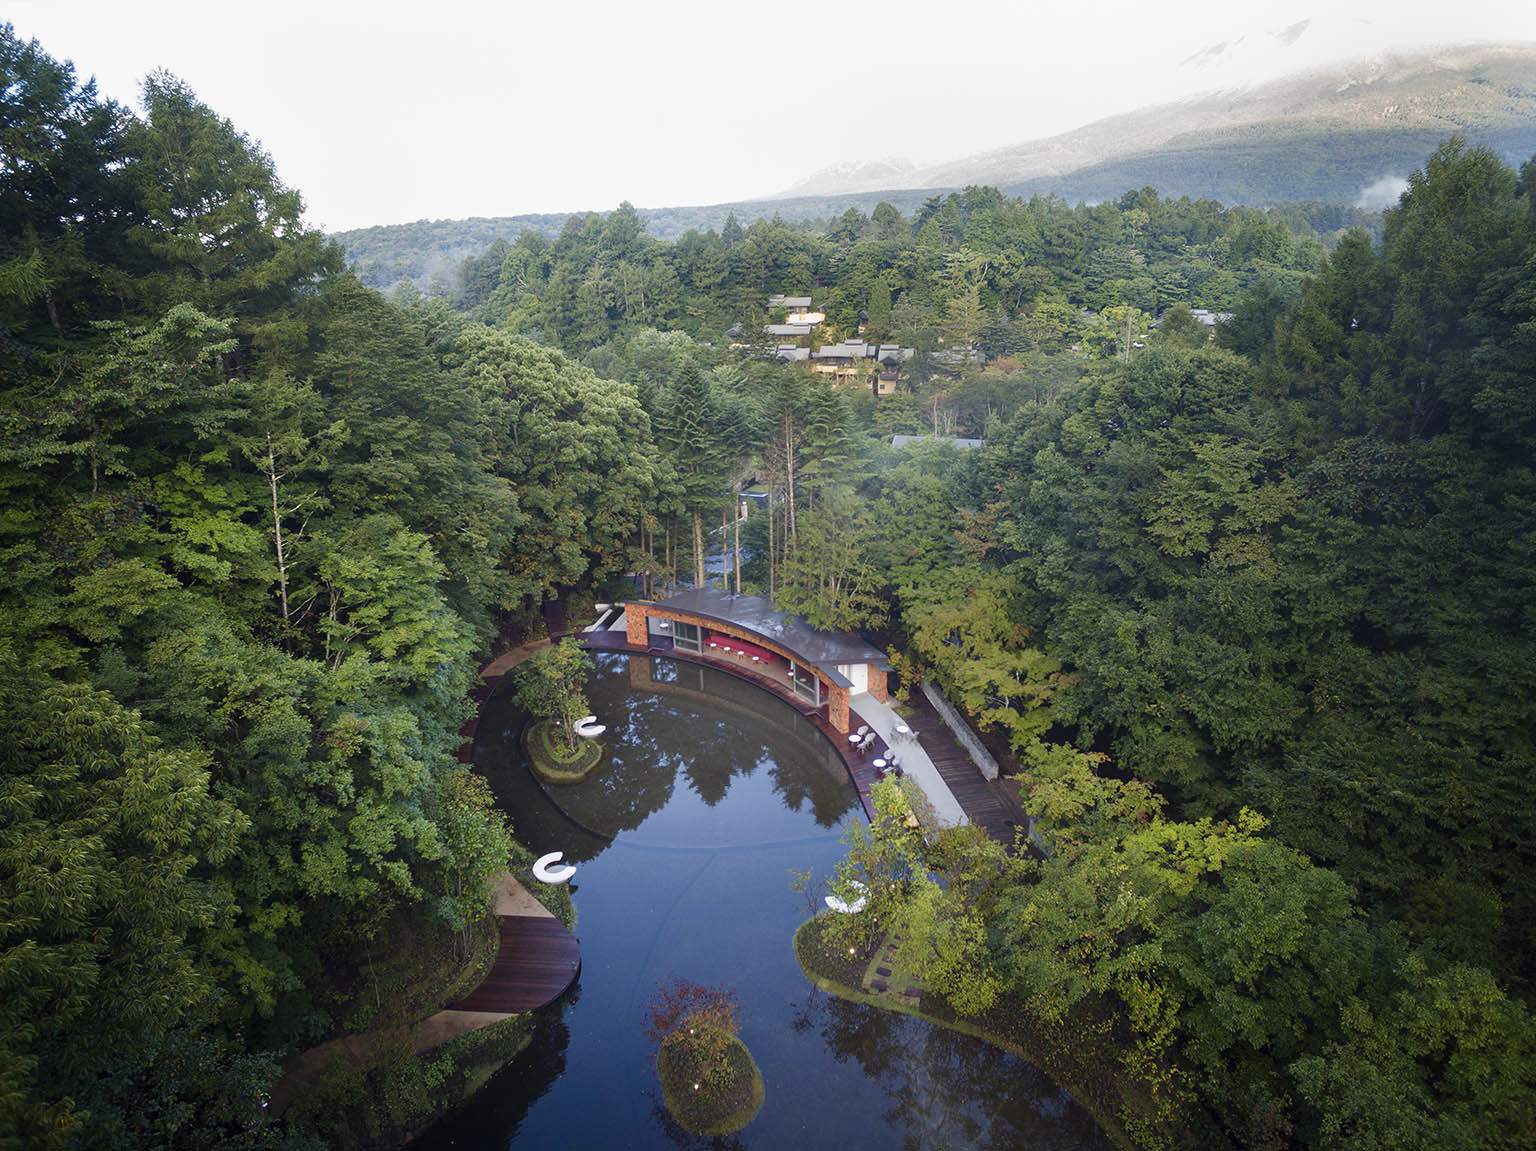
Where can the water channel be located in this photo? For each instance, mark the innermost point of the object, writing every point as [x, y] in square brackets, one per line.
[711, 793]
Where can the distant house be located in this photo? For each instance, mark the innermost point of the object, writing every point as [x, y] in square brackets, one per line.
[798, 309]
[1201, 316]
[890, 357]
[858, 360]
[843, 362]
[792, 353]
[788, 331]
[846, 350]
[955, 441]
[1208, 318]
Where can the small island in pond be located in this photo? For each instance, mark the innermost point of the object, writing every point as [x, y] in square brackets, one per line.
[549, 685]
[709, 1081]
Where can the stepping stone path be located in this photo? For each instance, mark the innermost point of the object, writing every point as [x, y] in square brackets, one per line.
[879, 975]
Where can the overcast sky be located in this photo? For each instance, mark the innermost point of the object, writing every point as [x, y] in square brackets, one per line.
[382, 112]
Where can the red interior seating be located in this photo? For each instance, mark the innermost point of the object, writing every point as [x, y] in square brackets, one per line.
[734, 646]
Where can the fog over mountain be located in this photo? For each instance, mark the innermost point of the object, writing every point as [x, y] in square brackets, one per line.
[1398, 103]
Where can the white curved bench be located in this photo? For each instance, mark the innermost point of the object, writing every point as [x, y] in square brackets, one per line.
[845, 907]
[549, 869]
[588, 728]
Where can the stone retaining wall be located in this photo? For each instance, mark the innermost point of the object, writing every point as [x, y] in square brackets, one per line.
[967, 738]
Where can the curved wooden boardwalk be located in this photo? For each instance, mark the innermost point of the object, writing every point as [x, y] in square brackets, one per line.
[538, 960]
[518, 981]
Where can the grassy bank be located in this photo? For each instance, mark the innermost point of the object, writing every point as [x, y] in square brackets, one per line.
[1077, 1054]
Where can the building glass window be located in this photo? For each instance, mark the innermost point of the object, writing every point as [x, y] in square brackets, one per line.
[805, 683]
[686, 636]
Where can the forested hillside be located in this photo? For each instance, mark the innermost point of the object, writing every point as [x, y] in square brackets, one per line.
[429, 253]
[1313, 137]
[974, 267]
[257, 524]
[1251, 610]
[1323, 133]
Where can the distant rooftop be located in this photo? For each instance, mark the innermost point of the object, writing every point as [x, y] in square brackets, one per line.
[789, 301]
[847, 350]
[1208, 318]
[791, 353]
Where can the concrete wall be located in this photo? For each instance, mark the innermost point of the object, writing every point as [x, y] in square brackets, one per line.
[967, 738]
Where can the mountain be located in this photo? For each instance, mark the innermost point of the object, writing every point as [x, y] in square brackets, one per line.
[1325, 134]
[1343, 133]
[855, 176]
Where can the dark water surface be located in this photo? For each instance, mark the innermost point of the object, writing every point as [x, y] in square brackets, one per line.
[712, 791]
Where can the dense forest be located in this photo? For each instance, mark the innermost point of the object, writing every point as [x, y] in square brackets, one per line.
[1252, 611]
[430, 254]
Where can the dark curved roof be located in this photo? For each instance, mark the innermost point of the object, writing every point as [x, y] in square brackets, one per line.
[823, 650]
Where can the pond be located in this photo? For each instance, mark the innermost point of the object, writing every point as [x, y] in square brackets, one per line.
[712, 792]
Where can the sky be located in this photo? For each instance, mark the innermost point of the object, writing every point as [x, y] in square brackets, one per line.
[382, 112]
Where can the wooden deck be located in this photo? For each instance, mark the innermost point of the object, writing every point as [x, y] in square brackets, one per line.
[538, 960]
[986, 804]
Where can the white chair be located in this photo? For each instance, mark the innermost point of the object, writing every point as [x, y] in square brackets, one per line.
[845, 907]
[549, 869]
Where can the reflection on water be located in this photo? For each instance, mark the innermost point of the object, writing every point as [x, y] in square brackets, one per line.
[711, 793]
[941, 1087]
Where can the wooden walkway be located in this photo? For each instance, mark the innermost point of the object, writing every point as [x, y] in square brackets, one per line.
[986, 804]
[538, 960]
[991, 804]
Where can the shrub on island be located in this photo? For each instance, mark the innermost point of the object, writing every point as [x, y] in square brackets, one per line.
[709, 1081]
[554, 763]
